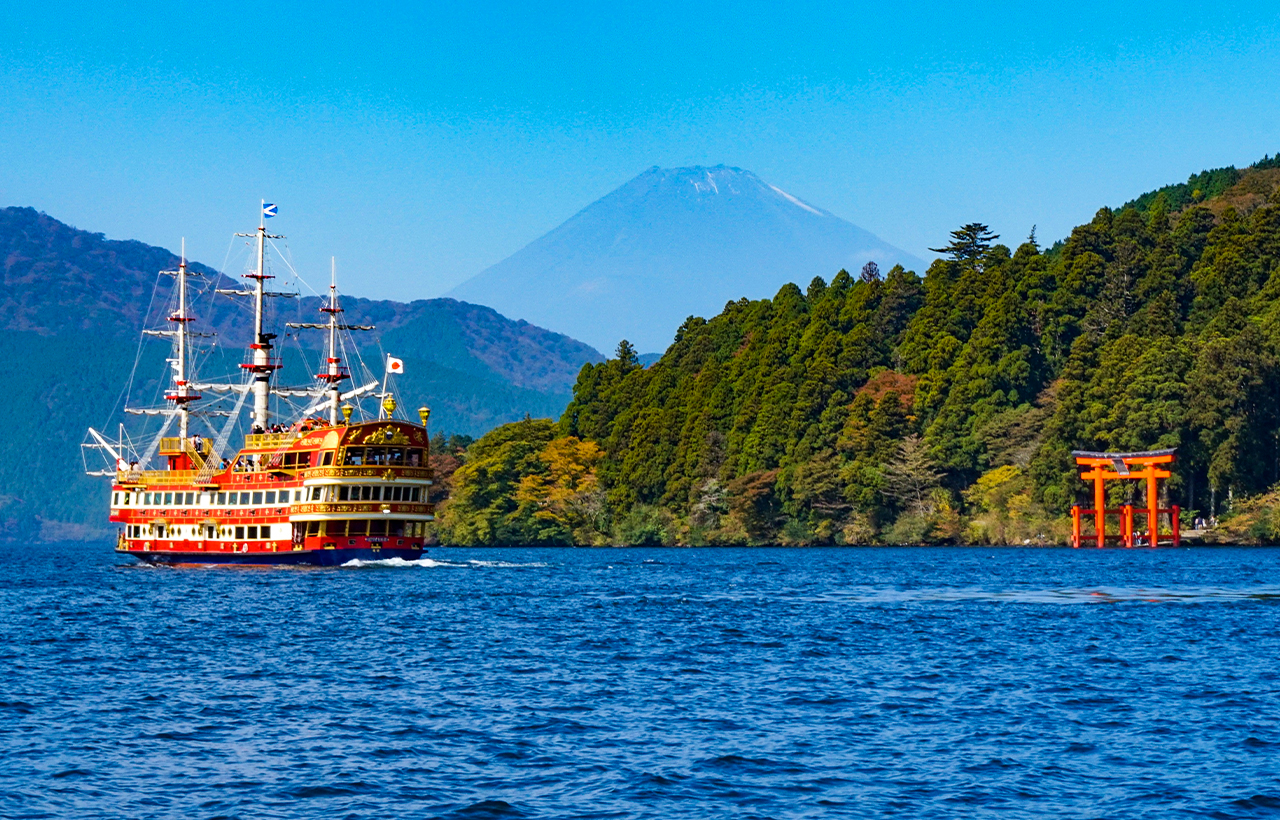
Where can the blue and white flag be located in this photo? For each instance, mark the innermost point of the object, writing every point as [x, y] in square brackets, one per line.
[268, 209]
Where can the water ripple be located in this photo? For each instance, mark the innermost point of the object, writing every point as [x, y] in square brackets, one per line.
[525, 683]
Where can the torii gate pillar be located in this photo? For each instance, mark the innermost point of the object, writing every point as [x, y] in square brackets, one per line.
[1103, 467]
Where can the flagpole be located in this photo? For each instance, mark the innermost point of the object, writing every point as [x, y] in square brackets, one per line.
[386, 372]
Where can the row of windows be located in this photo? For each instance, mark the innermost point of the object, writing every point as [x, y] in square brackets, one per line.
[393, 456]
[201, 531]
[394, 528]
[377, 528]
[257, 498]
[193, 499]
[378, 492]
[253, 462]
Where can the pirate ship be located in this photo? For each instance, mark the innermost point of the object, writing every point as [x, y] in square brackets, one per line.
[320, 488]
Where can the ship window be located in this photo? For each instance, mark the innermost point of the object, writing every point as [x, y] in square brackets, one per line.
[396, 493]
[395, 455]
[253, 532]
[415, 494]
[115, 499]
[257, 497]
[375, 455]
[191, 499]
[239, 533]
[344, 493]
[366, 493]
[396, 529]
[168, 499]
[378, 527]
[415, 457]
[271, 496]
[222, 499]
[355, 455]
[327, 459]
[357, 528]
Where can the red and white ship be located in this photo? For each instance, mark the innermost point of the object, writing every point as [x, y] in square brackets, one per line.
[319, 489]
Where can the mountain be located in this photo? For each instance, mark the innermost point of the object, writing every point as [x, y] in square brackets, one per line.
[669, 244]
[74, 303]
[934, 409]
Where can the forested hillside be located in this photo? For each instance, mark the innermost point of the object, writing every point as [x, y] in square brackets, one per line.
[938, 409]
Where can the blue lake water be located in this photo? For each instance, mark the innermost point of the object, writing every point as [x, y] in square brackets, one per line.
[526, 683]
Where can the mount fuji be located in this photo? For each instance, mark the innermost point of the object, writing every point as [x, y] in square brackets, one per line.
[669, 244]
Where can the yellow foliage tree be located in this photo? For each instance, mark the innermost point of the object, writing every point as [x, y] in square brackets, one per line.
[568, 491]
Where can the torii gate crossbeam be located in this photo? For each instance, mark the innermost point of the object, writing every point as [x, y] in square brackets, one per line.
[1103, 467]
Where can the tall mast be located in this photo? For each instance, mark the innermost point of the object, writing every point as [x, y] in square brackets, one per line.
[333, 310]
[263, 364]
[182, 319]
[334, 373]
[182, 393]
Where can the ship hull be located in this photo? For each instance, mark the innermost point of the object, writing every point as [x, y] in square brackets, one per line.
[309, 558]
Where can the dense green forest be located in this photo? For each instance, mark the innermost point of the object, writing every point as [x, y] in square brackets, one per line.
[898, 408]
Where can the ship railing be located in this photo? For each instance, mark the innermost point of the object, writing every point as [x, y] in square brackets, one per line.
[149, 477]
[261, 441]
[362, 508]
[172, 446]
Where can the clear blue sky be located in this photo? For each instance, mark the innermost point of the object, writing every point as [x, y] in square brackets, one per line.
[420, 143]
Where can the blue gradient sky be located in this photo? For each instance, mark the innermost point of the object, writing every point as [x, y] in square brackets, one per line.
[421, 143]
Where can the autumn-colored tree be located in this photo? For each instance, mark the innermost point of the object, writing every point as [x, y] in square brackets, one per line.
[565, 491]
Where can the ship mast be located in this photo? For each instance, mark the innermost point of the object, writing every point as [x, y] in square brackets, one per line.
[334, 373]
[182, 393]
[263, 364]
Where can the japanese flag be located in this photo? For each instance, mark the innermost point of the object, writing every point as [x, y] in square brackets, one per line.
[395, 365]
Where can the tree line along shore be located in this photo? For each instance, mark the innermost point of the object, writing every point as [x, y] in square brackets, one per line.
[894, 408]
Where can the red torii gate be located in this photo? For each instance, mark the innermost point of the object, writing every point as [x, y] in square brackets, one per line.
[1124, 466]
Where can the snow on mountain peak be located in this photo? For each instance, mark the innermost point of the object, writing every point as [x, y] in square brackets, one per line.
[795, 201]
